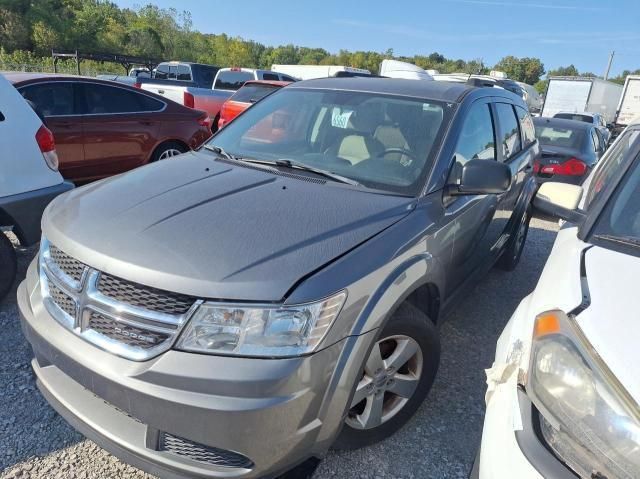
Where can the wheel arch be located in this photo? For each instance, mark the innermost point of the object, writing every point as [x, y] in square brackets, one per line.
[419, 280]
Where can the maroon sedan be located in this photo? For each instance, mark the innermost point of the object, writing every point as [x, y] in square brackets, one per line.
[103, 128]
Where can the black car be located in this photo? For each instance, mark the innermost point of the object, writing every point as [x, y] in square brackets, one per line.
[570, 149]
[242, 309]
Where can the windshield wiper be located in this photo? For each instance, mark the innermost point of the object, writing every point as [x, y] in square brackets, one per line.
[218, 150]
[294, 165]
[628, 240]
[282, 163]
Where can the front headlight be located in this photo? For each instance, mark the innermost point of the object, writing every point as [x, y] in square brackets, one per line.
[272, 331]
[586, 416]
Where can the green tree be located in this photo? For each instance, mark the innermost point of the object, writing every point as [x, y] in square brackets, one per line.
[527, 70]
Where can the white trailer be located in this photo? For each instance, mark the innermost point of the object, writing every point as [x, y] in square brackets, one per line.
[309, 72]
[582, 94]
[629, 106]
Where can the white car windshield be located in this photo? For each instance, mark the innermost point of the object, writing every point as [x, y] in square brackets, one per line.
[380, 141]
[621, 217]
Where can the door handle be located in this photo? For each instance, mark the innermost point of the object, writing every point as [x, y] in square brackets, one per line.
[146, 122]
[161, 92]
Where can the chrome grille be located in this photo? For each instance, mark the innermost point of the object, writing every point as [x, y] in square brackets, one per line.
[62, 300]
[130, 320]
[144, 296]
[201, 453]
[68, 265]
[135, 337]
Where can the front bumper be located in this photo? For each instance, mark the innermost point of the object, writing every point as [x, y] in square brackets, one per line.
[276, 413]
[25, 210]
[510, 444]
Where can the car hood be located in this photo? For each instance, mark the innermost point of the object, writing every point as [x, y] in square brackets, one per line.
[610, 322]
[216, 230]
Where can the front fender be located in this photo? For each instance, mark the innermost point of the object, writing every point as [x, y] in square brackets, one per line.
[399, 284]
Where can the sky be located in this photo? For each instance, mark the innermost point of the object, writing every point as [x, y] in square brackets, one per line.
[559, 32]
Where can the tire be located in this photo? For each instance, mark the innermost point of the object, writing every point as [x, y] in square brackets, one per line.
[8, 265]
[513, 251]
[167, 150]
[407, 328]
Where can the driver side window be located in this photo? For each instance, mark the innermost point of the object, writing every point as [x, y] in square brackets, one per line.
[477, 139]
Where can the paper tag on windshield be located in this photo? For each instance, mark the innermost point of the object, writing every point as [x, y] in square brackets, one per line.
[340, 118]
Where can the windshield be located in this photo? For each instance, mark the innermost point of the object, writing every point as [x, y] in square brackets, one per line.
[621, 216]
[556, 136]
[380, 141]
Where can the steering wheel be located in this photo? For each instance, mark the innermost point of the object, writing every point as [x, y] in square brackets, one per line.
[402, 151]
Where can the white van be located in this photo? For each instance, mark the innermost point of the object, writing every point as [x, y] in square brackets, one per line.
[309, 72]
[29, 179]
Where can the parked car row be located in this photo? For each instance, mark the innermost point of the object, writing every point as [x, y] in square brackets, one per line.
[199, 86]
[278, 289]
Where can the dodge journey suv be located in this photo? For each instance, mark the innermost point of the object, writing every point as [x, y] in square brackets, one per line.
[240, 309]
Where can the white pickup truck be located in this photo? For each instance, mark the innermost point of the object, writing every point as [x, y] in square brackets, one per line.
[196, 85]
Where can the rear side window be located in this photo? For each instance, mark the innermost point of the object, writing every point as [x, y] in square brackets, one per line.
[477, 139]
[162, 72]
[232, 80]
[103, 99]
[526, 126]
[509, 131]
[287, 78]
[184, 73]
[252, 93]
[207, 74]
[596, 140]
[52, 99]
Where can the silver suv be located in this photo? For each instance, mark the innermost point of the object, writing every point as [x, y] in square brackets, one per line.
[238, 310]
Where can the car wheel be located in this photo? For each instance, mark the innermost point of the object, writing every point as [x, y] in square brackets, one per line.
[512, 253]
[8, 265]
[395, 380]
[168, 150]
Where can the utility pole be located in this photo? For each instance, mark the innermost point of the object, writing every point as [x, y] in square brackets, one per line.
[606, 73]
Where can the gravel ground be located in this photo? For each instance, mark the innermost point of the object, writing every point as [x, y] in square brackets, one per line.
[440, 442]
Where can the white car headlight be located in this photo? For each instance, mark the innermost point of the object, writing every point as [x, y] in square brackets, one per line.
[586, 416]
[265, 330]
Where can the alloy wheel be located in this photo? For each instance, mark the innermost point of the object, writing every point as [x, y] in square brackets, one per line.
[169, 153]
[391, 375]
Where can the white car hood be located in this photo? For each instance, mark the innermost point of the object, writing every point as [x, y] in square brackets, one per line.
[612, 321]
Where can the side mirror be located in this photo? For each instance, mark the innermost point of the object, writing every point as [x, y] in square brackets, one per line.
[483, 177]
[560, 200]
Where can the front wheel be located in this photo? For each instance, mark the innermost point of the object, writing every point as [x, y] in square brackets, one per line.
[397, 376]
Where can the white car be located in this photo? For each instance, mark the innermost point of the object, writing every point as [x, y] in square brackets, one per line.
[563, 392]
[29, 176]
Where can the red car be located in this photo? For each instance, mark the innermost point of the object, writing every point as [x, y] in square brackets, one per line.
[247, 95]
[103, 128]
